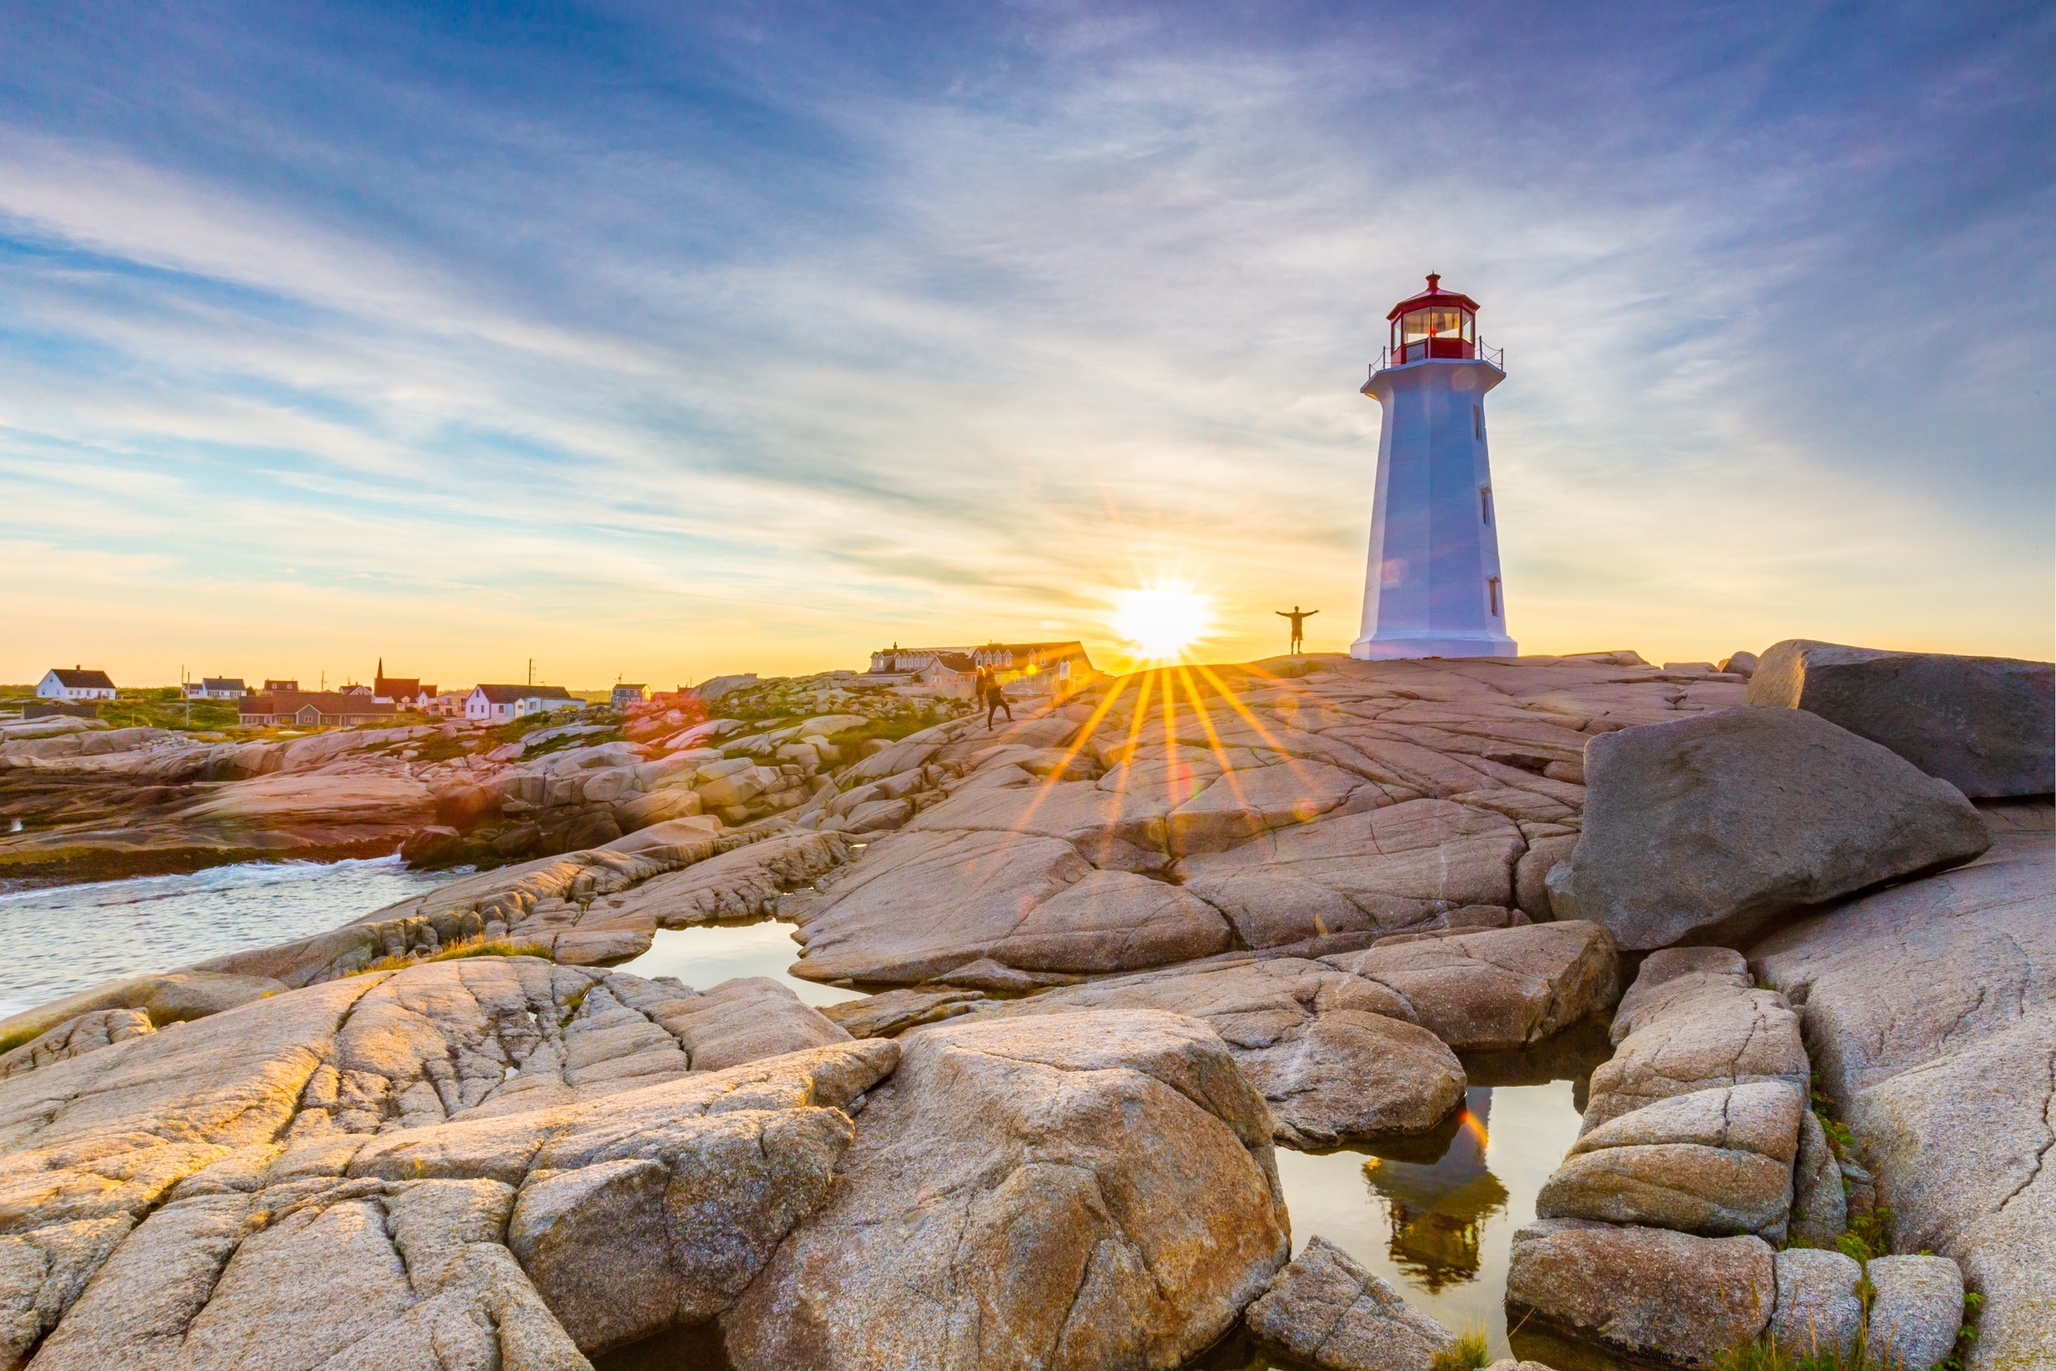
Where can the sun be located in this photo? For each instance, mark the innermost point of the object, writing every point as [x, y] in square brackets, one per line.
[1159, 624]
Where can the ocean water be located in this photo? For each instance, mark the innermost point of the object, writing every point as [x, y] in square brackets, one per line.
[55, 940]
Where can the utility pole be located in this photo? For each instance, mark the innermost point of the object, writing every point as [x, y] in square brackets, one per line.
[531, 671]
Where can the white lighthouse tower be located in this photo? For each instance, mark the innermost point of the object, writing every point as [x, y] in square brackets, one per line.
[1433, 588]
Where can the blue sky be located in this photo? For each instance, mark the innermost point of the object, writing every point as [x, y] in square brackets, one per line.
[670, 342]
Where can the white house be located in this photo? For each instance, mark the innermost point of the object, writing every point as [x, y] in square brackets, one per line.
[217, 688]
[75, 684]
[495, 704]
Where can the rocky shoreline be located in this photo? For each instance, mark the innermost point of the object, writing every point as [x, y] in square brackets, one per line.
[1122, 951]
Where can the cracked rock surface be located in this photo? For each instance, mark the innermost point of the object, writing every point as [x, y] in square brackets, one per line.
[1078, 1191]
[1328, 1309]
[1929, 1011]
[1172, 816]
[432, 1167]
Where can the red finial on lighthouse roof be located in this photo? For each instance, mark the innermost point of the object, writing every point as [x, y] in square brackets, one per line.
[1434, 282]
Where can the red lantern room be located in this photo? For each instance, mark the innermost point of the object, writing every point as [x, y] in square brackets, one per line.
[1435, 323]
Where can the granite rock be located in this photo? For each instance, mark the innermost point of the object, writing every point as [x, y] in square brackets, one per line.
[1327, 1309]
[1090, 1189]
[1984, 724]
[1712, 826]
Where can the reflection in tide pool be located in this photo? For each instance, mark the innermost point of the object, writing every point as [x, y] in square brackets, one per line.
[1435, 1214]
[706, 955]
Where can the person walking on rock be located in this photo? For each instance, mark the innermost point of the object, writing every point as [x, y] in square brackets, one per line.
[995, 701]
[1298, 617]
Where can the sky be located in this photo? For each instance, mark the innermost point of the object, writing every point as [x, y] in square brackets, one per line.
[659, 342]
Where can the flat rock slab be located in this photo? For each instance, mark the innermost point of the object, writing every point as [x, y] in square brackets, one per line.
[1984, 724]
[1326, 1308]
[1646, 1292]
[1389, 870]
[922, 904]
[1929, 1011]
[1332, 1054]
[1712, 826]
[1090, 1189]
[1501, 988]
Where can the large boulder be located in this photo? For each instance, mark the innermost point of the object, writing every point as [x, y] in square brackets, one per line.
[1987, 725]
[1092, 1189]
[1333, 1054]
[1646, 1292]
[1327, 1309]
[1930, 1009]
[1708, 827]
[1499, 988]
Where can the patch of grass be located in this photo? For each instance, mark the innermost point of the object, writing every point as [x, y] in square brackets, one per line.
[436, 748]
[1470, 1353]
[451, 952]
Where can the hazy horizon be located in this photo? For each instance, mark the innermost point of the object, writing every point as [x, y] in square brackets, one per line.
[669, 345]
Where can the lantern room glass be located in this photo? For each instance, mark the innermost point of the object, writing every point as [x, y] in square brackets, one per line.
[1434, 331]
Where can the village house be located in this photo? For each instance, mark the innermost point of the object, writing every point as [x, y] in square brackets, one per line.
[312, 709]
[1022, 668]
[75, 685]
[216, 688]
[273, 684]
[496, 704]
[626, 695]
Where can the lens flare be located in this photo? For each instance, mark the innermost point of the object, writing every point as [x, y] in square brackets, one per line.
[1158, 624]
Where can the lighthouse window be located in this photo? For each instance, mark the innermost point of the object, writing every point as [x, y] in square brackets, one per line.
[1485, 503]
[1478, 426]
[1492, 594]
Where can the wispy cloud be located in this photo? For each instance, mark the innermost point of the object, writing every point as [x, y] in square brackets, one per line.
[636, 343]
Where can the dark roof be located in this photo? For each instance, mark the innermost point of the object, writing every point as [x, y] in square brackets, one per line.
[77, 679]
[396, 685]
[508, 694]
[326, 701]
[222, 683]
[957, 661]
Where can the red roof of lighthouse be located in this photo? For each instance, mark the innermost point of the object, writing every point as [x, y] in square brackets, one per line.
[1433, 295]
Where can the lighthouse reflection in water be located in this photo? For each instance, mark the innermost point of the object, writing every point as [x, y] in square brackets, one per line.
[1438, 1209]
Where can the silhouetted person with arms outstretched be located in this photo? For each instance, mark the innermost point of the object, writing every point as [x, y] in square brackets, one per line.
[1298, 617]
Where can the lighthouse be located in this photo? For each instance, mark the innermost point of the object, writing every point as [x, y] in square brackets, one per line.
[1433, 587]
